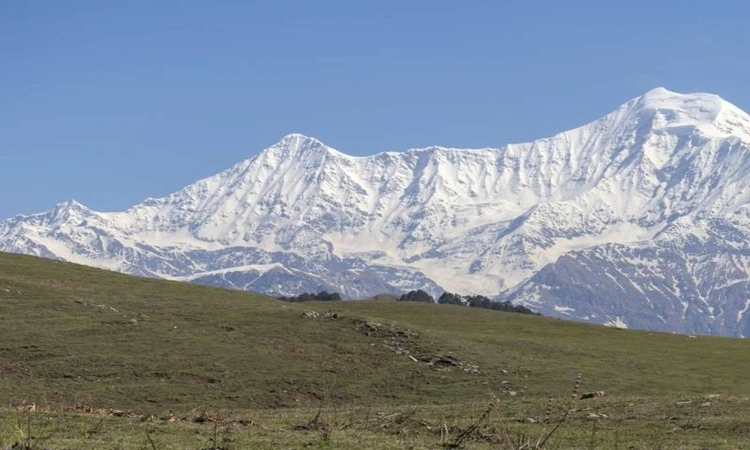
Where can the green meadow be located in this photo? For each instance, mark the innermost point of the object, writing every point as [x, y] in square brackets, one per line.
[91, 359]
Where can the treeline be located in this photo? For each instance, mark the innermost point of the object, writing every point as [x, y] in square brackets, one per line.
[473, 301]
[420, 296]
[322, 296]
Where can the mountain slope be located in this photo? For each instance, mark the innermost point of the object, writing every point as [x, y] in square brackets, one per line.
[664, 172]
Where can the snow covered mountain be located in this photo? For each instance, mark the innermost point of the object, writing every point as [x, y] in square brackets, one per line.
[640, 219]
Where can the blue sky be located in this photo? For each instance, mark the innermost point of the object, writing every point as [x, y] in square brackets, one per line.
[112, 102]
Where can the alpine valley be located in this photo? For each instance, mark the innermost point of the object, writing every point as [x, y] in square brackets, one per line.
[639, 219]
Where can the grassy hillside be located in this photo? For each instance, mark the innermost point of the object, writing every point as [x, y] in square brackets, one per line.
[93, 359]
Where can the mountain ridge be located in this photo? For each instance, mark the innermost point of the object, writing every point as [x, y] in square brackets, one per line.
[301, 215]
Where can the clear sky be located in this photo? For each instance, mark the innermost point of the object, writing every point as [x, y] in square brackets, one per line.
[111, 102]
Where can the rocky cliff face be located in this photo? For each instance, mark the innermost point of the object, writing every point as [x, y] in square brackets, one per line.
[641, 219]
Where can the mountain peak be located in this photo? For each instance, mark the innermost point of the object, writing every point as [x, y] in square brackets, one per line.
[662, 98]
[299, 145]
[301, 142]
[295, 143]
[70, 205]
[709, 113]
[660, 90]
[292, 138]
[66, 211]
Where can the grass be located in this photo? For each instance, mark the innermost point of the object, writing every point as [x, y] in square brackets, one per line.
[114, 361]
